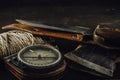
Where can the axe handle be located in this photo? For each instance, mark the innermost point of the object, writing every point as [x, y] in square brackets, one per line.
[45, 32]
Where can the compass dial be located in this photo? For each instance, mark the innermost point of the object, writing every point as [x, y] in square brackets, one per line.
[39, 56]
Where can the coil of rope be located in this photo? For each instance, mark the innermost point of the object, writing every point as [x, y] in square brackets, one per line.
[12, 41]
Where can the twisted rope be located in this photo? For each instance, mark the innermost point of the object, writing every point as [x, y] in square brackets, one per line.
[13, 41]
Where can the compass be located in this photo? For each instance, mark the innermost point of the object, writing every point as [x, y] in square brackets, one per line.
[37, 62]
[40, 56]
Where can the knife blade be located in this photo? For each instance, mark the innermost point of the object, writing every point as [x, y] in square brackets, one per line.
[65, 28]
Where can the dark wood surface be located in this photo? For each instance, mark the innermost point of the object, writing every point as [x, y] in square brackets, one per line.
[88, 16]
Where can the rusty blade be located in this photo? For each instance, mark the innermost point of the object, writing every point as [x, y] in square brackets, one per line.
[73, 29]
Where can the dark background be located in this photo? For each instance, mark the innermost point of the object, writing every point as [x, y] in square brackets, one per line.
[71, 12]
[58, 2]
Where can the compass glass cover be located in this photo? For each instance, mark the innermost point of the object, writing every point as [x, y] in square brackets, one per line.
[39, 56]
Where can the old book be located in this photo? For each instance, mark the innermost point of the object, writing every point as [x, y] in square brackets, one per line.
[92, 59]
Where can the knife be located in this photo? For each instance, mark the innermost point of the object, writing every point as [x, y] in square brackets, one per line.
[99, 35]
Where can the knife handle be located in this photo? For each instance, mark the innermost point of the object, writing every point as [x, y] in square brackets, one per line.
[45, 32]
